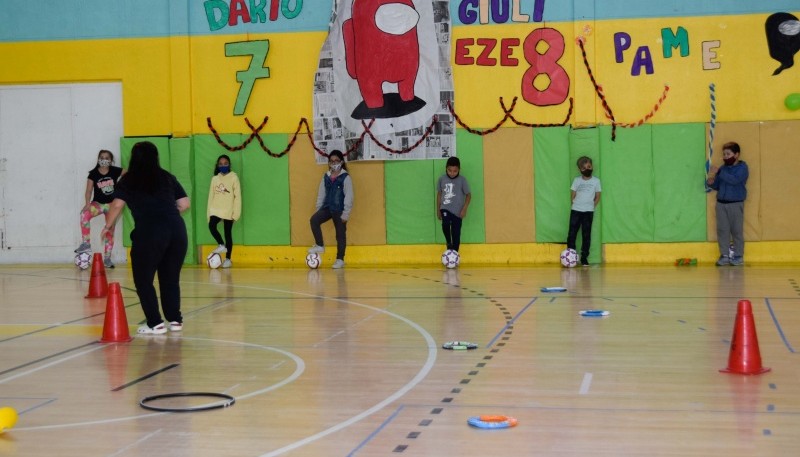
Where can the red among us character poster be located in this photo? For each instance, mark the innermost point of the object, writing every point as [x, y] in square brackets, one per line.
[384, 86]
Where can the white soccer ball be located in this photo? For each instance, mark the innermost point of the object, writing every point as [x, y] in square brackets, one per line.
[214, 260]
[569, 258]
[83, 260]
[313, 261]
[450, 258]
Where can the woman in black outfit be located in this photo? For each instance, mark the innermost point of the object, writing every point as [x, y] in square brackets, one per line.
[159, 240]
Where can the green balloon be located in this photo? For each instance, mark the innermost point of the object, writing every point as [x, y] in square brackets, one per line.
[792, 102]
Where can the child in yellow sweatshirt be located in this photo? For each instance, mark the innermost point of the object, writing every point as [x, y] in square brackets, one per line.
[224, 204]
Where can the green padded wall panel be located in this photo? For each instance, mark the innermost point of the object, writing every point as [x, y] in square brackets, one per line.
[265, 189]
[628, 181]
[553, 172]
[410, 199]
[679, 152]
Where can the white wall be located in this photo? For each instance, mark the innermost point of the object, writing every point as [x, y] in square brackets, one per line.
[49, 139]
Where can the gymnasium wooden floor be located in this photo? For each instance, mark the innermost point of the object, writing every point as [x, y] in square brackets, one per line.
[349, 363]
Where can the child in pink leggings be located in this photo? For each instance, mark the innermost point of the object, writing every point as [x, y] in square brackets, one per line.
[99, 193]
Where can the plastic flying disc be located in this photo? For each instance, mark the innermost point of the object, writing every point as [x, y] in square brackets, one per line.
[459, 345]
[594, 313]
[554, 289]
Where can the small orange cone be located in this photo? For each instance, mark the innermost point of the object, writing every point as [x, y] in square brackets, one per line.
[745, 357]
[98, 284]
[115, 327]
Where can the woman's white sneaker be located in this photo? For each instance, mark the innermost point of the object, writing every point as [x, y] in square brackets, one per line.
[159, 329]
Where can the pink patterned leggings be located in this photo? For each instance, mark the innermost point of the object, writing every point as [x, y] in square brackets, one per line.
[96, 209]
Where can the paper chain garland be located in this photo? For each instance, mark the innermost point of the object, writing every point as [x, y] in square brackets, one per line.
[507, 115]
[367, 131]
[608, 112]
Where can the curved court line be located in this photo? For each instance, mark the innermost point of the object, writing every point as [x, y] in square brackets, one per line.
[778, 326]
[426, 368]
[300, 368]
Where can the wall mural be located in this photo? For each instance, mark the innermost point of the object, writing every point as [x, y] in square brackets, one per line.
[383, 87]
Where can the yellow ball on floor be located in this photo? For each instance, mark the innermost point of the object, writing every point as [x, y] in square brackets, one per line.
[8, 417]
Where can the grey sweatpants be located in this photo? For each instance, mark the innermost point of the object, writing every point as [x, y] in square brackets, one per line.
[730, 226]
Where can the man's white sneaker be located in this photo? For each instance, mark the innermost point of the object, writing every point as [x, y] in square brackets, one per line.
[175, 326]
[221, 249]
[227, 263]
[316, 249]
[338, 264]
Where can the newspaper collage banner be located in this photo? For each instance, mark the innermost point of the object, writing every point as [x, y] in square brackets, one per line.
[384, 85]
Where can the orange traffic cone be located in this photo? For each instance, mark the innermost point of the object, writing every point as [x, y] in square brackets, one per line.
[115, 327]
[745, 357]
[98, 285]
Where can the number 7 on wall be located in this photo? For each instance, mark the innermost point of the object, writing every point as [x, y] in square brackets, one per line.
[258, 50]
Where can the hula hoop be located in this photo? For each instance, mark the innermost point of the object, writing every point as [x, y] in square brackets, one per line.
[229, 401]
[459, 345]
[492, 422]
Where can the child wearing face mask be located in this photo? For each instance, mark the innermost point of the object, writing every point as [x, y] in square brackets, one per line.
[729, 181]
[585, 197]
[452, 199]
[224, 204]
[99, 193]
[334, 202]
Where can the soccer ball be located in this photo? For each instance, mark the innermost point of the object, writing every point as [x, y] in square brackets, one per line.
[313, 261]
[569, 258]
[450, 258]
[83, 260]
[214, 260]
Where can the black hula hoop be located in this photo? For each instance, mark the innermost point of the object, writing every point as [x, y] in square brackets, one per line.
[229, 401]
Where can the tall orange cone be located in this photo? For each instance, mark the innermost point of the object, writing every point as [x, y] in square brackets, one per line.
[115, 327]
[745, 357]
[98, 284]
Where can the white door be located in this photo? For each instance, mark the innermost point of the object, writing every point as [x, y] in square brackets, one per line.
[49, 139]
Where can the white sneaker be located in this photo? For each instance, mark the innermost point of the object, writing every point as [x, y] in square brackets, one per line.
[338, 264]
[221, 249]
[227, 263]
[175, 326]
[159, 329]
[316, 249]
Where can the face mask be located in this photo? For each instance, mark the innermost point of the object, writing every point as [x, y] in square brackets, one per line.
[335, 166]
[587, 173]
[224, 169]
[104, 163]
[729, 160]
